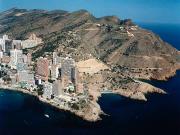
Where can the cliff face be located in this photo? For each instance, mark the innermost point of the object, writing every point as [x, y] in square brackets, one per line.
[118, 43]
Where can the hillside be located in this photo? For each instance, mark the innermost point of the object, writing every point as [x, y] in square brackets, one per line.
[131, 52]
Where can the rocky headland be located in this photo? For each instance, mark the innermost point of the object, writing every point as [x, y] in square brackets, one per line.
[112, 54]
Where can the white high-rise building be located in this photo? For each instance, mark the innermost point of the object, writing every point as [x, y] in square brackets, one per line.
[47, 90]
[2, 44]
[54, 72]
[3, 41]
[57, 88]
[1, 54]
[15, 55]
[54, 58]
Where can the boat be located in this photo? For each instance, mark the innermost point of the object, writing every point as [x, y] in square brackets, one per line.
[46, 115]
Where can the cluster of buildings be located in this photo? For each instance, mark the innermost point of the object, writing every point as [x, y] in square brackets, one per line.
[11, 55]
[57, 77]
[6, 43]
[16, 63]
[11, 50]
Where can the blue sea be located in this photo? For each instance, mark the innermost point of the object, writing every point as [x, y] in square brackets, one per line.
[22, 114]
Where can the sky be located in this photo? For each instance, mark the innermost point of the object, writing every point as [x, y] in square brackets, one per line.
[149, 11]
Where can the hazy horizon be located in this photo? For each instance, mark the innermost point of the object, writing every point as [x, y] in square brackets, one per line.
[152, 11]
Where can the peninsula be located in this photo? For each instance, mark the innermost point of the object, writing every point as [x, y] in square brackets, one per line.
[69, 59]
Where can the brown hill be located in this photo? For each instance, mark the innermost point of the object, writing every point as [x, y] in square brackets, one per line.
[118, 43]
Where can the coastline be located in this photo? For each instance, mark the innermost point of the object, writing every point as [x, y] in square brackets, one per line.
[136, 91]
[94, 107]
[93, 111]
[166, 74]
[139, 92]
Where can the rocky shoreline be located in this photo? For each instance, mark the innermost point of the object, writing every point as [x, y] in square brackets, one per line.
[140, 91]
[93, 111]
[137, 91]
[166, 73]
